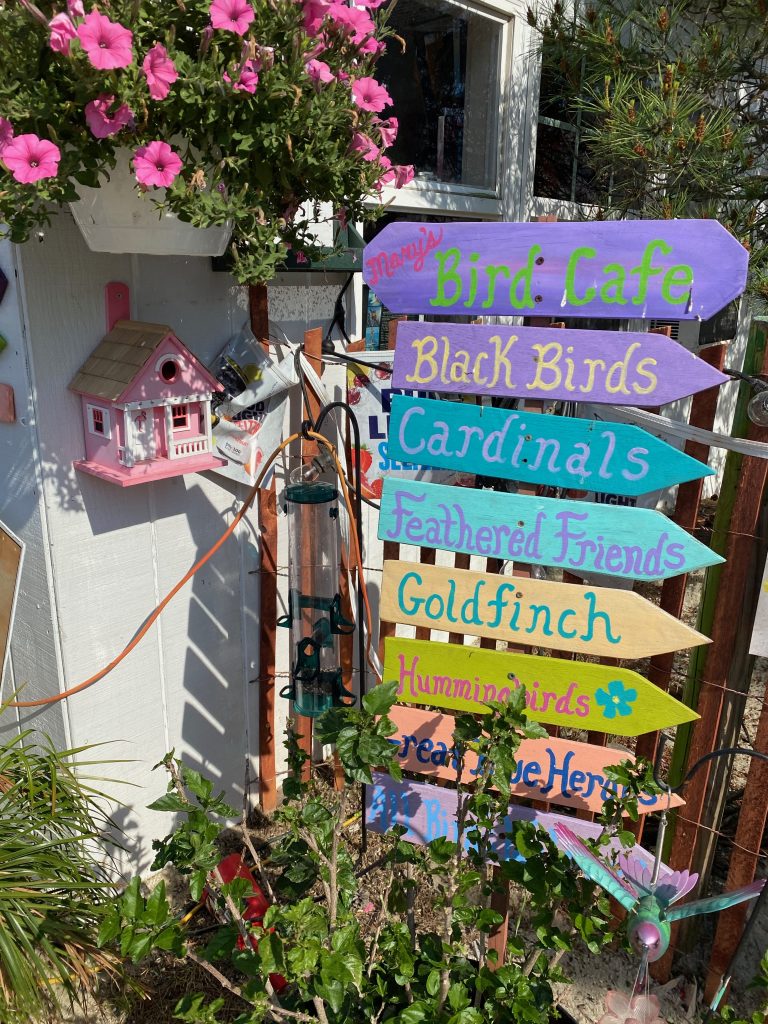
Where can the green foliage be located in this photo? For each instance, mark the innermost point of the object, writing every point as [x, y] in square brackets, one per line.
[252, 159]
[339, 971]
[54, 896]
[672, 103]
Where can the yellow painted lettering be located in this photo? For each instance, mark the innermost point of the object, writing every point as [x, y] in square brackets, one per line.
[426, 349]
[544, 363]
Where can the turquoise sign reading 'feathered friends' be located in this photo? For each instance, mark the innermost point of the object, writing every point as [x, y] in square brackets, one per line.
[636, 543]
[556, 450]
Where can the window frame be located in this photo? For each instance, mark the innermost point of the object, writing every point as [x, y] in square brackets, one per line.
[106, 425]
[514, 80]
[178, 416]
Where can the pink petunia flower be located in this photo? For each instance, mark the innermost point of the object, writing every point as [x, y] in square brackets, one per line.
[366, 147]
[232, 15]
[62, 33]
[319, 71]
[156, 164]
[368, 94]
[372, 46]
[249, 77]
[353, 20]
[107, 43]
[403, 174]
[98, 118]
[6, 133]
[75, 8]
[388, 131]
[30, 158]
[160, 71]
[315, 12]
[371, 4]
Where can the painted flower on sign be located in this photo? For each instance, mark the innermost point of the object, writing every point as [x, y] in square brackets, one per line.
[617, 699]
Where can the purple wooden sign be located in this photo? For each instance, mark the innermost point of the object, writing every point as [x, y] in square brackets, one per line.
[429, 812]
[605, 367]
[681, 269]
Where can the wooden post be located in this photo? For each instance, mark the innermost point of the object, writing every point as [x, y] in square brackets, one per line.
[744, 857]
[739, 549]
[703, 410]
[267, 507]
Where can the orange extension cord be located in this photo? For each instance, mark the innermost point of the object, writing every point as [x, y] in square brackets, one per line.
[209, 554]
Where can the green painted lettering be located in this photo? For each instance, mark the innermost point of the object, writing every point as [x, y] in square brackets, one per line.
[646, 271]
[583, 252]
[447, 260]
[679, 276]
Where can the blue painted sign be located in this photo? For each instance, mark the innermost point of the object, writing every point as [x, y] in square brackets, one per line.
[635, 543]
[556, 450]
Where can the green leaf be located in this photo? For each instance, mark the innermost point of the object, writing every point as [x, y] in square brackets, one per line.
[110, 928]
[433, 982]
[380, 699]
[169, 802]
[156, 910]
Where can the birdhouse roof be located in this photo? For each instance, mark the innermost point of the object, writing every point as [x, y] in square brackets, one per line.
[121, 356]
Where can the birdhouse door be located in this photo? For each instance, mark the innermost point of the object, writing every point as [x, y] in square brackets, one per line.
[143, 430]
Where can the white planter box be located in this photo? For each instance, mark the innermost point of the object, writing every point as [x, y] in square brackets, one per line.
[118, 218]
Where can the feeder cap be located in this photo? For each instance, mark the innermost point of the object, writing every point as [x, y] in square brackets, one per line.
[311, 494]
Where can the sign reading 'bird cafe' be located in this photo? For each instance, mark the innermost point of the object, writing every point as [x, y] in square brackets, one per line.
[633, 269]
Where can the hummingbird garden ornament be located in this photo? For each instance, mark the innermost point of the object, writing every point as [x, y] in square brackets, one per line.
[647, 894]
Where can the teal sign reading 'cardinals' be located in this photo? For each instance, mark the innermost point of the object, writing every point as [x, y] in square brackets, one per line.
[555, 450]
[636, 543]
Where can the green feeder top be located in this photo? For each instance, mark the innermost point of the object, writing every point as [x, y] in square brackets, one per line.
[311, 494]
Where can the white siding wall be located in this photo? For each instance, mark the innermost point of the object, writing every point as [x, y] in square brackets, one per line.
[100, 557]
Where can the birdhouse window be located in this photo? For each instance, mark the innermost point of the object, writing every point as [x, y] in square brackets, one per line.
[168, 370]
[180, 417]
[98, 421]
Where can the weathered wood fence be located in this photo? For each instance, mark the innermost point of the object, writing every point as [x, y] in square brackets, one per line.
[718, 676]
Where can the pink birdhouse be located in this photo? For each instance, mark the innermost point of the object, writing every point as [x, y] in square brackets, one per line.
[146, 407]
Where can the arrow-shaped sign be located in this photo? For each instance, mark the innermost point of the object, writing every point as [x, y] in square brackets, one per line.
[574, 694]
[562, 616]
[634, 543]
[557, 450]
[681, 269]
[428, 812]
[604, 367]
[559, 771]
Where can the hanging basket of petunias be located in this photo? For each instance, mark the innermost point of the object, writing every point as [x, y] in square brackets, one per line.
[259, 114]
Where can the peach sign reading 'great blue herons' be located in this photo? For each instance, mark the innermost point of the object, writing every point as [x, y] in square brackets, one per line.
[559, 771]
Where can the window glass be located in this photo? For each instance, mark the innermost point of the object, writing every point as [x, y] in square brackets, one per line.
[179, 413]
[562, 167]
[446, 92]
